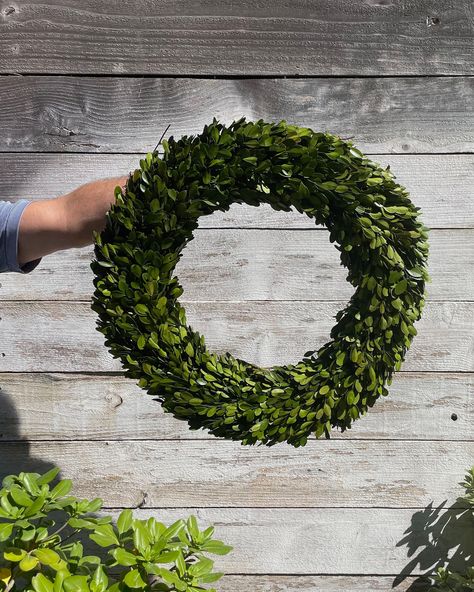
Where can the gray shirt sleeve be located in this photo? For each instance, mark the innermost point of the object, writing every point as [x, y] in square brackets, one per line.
[10, 214]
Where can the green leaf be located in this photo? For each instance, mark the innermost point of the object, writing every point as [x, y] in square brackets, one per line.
[28, 563]
[201, 567]
[170, 577]
[210, 578]
[76, 584]
[216, 547]
[29, 479]
[59, 579]
[193, 527]
[133, 579]
[95, 505]
[401, 287]
[81, 523]
[20, 497]
[124, 521]
[166, 557]
[172, 530]
[397, 304]
[123, 557]
[180, 564]
[46, 556]
[141, 536]
[374, 181]
[14, 554]
[61, 489]
[328, 185]
[42, 584]
[6, 529]
[104, 536]
[141, 309]
[161, 303]
[100, 580]
[35, 508]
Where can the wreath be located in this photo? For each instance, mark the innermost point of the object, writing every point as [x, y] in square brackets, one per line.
[370, 219]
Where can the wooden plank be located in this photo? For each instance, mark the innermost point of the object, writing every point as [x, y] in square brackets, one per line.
[441, 185]
[270, 583]
[183, 37]
[70, 114]
[229, 265]
[80, 407]
[330, 541]
[60, 336]
[333, 473]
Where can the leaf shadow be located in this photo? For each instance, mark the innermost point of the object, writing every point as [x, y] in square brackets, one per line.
[438, 537]
[16, 453]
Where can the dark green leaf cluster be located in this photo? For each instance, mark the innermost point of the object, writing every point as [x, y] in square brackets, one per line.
[370, 219]
[40, 552]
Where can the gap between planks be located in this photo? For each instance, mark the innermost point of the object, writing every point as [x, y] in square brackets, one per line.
[228, 76]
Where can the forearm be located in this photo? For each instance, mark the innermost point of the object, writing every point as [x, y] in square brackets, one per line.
[67, 221]
[84, 210]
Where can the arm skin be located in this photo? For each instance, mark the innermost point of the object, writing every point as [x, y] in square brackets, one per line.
[67, 221]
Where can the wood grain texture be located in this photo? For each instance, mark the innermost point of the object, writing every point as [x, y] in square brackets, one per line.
[441, 185]
[229, 265]
[383, 115]
[348, 514]
[269, 583]
[256, 38]
[41, 406]
[56, 337]
[226, 474]
[334, 540]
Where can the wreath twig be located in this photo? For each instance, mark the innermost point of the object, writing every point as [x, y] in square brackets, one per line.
[162, 136]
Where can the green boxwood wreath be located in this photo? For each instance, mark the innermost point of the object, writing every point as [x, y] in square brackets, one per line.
[372, 222]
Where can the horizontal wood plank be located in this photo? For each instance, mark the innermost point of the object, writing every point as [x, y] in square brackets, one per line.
[334, 540]
[60, 336]
[41, 406]
[297, 38]
[69, 114]
[441, 185]
[229, 265]
[270, 583]
[226, 474]
[333, 514]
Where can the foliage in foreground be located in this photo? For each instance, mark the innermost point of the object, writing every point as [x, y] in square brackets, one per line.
[40, 524]
[449, 581]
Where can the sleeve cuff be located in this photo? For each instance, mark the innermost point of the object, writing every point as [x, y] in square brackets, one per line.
[11, 244]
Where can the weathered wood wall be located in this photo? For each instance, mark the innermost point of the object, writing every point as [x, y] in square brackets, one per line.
[85, 89]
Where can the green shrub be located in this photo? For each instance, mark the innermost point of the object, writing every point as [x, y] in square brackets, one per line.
[40, 550]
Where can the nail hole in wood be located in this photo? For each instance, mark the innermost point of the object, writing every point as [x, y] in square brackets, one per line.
[432, 21]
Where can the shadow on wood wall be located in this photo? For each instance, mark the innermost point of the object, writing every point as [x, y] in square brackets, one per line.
[15, 445]
[438, 537]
